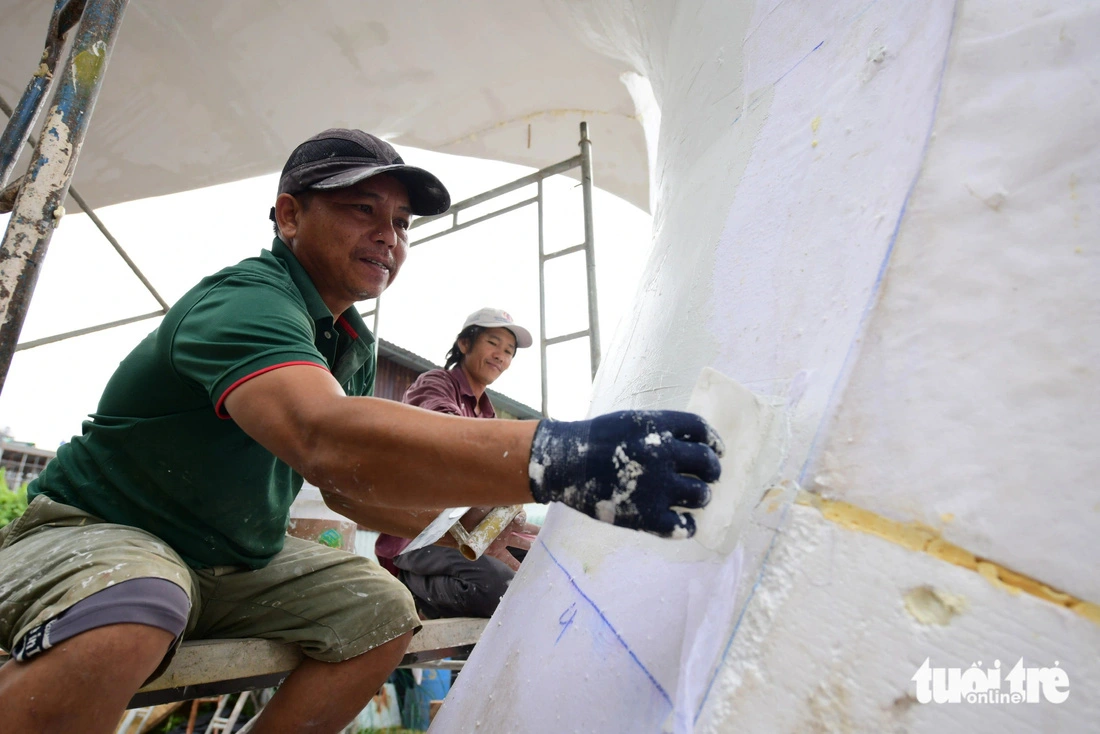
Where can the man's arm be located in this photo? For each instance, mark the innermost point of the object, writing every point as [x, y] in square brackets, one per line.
[372, 452]
[389, 520]
[638, 469]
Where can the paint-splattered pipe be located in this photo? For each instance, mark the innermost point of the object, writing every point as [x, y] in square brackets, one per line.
[65, 15]
[40, 204]
[474, 542]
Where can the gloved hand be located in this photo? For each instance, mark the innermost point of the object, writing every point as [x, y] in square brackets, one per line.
[628, 468]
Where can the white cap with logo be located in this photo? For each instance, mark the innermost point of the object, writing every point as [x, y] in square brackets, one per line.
[496, 318]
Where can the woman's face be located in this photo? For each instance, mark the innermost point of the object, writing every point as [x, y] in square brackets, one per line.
[489, 356]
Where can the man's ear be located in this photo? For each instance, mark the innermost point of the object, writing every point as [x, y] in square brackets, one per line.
[287, 210]
[464, 345]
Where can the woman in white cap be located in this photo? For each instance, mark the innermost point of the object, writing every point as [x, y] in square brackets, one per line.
[444, 582]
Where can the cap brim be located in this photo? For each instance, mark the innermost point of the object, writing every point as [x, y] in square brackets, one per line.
[523, 337]
[427, 194]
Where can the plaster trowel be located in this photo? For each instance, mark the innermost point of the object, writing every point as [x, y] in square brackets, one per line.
[472, 543]
[754, 429]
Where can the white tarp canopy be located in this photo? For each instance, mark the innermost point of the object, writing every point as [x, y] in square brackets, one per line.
[204, 92]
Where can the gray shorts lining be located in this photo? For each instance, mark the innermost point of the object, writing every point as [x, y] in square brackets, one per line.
[153, 602]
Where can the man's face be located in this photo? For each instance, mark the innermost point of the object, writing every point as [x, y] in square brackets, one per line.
[489, 356]
[351, 241]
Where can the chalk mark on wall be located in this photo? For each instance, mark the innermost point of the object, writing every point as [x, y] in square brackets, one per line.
[566, 620]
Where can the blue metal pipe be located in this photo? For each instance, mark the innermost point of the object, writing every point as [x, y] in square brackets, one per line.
[40, 204]
[65, 14]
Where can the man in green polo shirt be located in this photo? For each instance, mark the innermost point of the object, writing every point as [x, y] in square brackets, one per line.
[166, 518]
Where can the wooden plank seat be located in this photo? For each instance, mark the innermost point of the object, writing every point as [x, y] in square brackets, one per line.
[216, 667]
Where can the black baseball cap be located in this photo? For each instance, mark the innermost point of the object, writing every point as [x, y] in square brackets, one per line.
[339, 157]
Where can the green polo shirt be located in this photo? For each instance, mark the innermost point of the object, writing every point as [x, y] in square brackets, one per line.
[161, 454]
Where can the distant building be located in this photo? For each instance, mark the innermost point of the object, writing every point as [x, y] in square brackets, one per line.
[22, 462]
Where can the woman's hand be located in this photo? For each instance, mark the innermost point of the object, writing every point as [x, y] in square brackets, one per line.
[517, 534]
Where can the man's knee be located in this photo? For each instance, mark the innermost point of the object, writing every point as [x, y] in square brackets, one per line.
[343, 606]
[50, 572]
[143, 616]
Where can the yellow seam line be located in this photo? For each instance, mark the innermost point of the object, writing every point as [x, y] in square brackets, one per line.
[924, 539]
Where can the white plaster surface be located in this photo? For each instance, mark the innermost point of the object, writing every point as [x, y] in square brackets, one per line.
[816, 241]
[788, 236]
[975, 391]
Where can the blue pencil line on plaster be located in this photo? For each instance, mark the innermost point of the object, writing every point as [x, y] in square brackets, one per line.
[851, 348]
[798, 63]
[863, 12]
[634, 657]
[756, 102]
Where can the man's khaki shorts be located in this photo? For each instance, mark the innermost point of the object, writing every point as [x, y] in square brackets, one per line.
[332, 604]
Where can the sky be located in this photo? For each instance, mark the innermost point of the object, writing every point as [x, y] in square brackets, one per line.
[178, 239]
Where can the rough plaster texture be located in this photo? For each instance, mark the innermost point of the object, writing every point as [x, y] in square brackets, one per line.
[977, 372]
[827, 644]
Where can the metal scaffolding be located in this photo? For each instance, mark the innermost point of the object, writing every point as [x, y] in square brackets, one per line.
[583, 161]
[76, 197]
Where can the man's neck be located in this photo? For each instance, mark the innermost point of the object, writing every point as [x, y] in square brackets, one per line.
[475, 387]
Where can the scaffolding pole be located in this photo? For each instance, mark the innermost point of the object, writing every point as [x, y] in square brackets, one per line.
[40, 203]
[542, 306]
[590, 250]
[65, 14]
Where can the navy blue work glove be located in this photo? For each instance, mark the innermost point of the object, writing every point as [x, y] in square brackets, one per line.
[628, 468]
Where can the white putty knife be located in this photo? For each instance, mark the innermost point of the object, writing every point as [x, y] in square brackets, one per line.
[471, 543]
[436, 529]
[754, 430]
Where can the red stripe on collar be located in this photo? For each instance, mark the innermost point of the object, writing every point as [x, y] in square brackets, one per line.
[346, 325]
